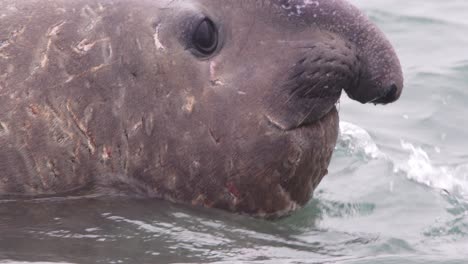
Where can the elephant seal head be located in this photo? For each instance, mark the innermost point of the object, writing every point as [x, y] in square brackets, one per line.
[226, 104]
[261, 79]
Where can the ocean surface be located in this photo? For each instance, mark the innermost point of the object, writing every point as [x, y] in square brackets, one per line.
[397, 191]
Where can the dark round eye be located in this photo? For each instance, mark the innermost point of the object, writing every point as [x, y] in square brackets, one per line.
[205, 37]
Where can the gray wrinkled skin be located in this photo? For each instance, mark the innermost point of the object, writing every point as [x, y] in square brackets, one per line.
[107, 97]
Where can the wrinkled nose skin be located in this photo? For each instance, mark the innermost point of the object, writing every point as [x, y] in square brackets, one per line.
[380, 78]
[342, 50]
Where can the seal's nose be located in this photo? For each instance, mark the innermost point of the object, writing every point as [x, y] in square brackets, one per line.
[389, 95]
[380, 76]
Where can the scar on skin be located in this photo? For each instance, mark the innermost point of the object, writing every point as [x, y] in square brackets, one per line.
[52, 33]
[214, 81]
[91, 70]
[213, 70]
[11, 39]
[199, 200]
[137, 126]
[157, 42]
[85, 45]
[106, 153]
[3, 129]
[189, 103]
[138, 44]
[93, 17]
[5, 43]
[83, 129]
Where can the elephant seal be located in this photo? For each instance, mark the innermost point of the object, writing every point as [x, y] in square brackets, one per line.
[224, 104]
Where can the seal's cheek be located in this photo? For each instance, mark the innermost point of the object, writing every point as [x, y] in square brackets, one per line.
[277, 174]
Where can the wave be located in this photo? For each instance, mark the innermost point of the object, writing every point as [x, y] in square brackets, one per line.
[417, 167]
[385, 16]
[420, 168]
[357, 141]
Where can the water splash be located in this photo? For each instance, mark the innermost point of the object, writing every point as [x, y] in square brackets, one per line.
[419, 168]
[357, 141]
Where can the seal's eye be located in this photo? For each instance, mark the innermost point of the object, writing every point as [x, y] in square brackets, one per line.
[205, 37]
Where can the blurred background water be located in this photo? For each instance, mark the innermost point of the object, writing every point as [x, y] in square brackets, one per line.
[397, 191]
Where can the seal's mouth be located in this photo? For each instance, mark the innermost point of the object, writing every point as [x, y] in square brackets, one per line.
[281, 126]
[274, 123]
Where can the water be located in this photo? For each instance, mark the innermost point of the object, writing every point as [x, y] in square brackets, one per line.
[397, 191]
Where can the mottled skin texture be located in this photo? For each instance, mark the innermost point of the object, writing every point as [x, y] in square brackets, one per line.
[107, 97]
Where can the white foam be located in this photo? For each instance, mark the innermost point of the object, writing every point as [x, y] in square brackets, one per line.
[358, 141]
[157, 41]
[419, 168]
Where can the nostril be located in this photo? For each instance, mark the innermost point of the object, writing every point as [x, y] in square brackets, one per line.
[392, 92]
[388, 96]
